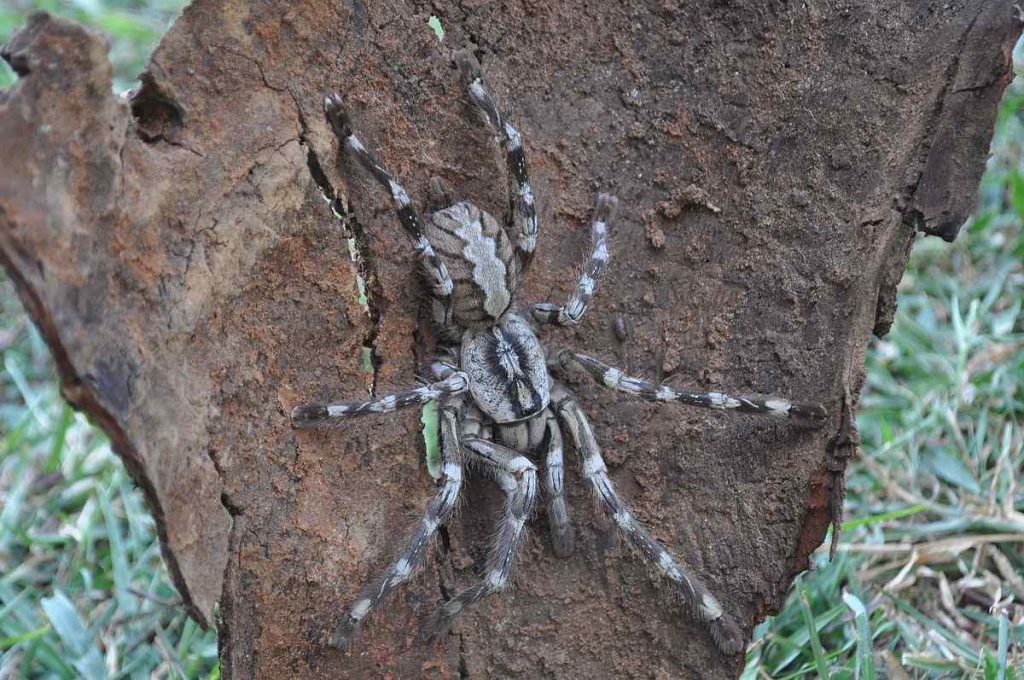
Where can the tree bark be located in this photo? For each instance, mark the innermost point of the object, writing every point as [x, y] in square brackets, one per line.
[772, 160]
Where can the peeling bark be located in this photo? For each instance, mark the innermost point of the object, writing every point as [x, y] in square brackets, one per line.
[176, 251]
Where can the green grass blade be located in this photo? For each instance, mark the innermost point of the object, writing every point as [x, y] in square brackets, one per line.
[67, 416]
[1004, 646]
[78, 642]
[12, 640]
[126, 602]
[865, 660]
[812, 632]
[883, 517]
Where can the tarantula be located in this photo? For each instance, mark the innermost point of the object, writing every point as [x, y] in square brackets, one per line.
[498, 404]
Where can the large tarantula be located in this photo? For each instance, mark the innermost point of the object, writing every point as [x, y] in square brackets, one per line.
[498, 404]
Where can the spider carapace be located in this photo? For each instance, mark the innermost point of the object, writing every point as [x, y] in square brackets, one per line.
[500, 408]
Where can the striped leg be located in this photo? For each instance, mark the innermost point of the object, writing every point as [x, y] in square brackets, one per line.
[311, 415]
[433, 267]
[518, 479]
[541, 435]
[726, 633]
[563, 537]
[439, 511]
[812, 415]
[570, 314]
[524, 212]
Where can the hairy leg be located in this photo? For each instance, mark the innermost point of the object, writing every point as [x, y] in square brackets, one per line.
[698, 598]
[518, 478]
[439, 512]
[572, 311]
[563, 538]
[312, 415]
[524, 211]
[812, 415]
[437, 274]
[541, 435]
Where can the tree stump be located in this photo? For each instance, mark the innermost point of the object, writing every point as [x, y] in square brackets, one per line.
[772, 160]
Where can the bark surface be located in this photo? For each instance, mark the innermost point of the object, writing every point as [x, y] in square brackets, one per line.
[772, 159]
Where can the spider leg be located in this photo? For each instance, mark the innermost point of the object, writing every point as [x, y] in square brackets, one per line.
[563, 537]
[524, 211]
[542, 436]
[439, 512]
[517, 477]
[726, 633]
[435, 270]
[812, 415]
[310, 415]
[544, 312]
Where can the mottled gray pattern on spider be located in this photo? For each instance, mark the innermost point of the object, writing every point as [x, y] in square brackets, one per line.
[500, 410]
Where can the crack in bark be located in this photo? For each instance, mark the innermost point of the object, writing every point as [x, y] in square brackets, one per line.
[463, 666]
[365, 268]
[839, 450]
[255, 62]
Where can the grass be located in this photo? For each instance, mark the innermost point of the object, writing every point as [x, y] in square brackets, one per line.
[84, 592]
[83, 589]
[133, 26]
[928, 578]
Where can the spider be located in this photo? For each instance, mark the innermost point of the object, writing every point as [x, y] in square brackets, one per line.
[501, 411]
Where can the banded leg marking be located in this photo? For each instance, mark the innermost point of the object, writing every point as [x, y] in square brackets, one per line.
[726, 634]
[524, 209]
[312, 415]
[571, 313]
[812, 415]
[439, 512]
[563, 537]
[518, 478]
[437, 274]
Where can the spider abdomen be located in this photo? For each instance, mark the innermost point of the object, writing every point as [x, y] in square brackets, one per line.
[508, 377]
[480, 260]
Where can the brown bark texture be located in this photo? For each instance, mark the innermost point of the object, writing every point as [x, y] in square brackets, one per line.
[773, 161]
